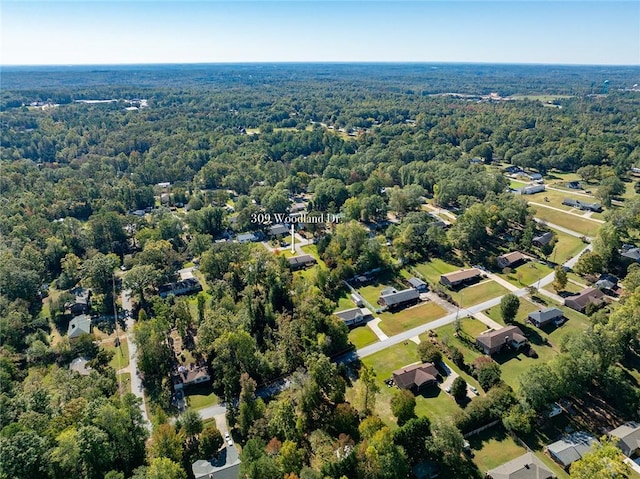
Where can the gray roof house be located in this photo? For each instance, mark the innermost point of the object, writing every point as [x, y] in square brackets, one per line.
[545, 316]
[279, 230]
[301, 261]
[392, 298]
[354, 316]
[492, 342]
[543, 239]
[247, 238]
[531, 189]
[527, 466]
[225, 466]
[570, 448]
[628, 436]
[418, 284]
[78, 326]
[631, 253]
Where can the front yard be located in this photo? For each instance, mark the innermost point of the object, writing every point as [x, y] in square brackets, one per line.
[527, 274]
[394, 323]
[477, 293]
[362, 336]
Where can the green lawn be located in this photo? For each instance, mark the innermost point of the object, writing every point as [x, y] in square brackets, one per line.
[199, 397]
[362, 336]
[394, 323]
[478, 293]
[555, 199]
[581, 225]
[312, 250]
[514, 184]
[121, 357]
[472, 327]
[527, 273]
[566, 247]
[432, 270]
[371, 292]
[344, 301]
[124, 382]
[525, 308]
[494, 447]
[570, 287]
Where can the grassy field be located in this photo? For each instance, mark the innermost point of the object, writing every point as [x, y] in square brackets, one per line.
[527, 273]
[121, 357]
[566, 247]
[581, 225]
[525, 308]
[199, 397]
[394, 323]
[432, 270]
[362, 336]
[556, 197]
[478, 293]
[515, 184]
[570, 288]
[372, 291]
[494, 447]
[344, 301]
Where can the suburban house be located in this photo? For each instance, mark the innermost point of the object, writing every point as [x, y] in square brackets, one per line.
[595, 207]
[574, 185]
[527, 466]
[80, 366]
[545, 316]
[225, 466]
[630, 253]
[416, 377]
[543, 239]
[393, 299]
[81, 303]
[509, 260]
[607, 282]
[628, 438]
[300, 262]
[247, 238]
[279, 230]
[531, 189]
[585, 297]
[512, 169]
[184, 286]
[354, 316]
[492, 342]
[534, 176]
[78, 326]
[571, 448]
[189, 376]
[418, 285]
[460, 277]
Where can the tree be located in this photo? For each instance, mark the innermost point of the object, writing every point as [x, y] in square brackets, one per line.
[249, 408]
[509, 305]
[429, 352]
[291, 458]
[139, 279]
[604, 461]
[403, 406]
[413, 436]
[446, 442]
[23, 455]
[166, 443]
[560, 278]
[520, 419]
[459, 388]
[368, 389]
[191, 424]
[589, 263]
[539, 386]
[98, 271]
[488, 373]
[210, 441]
[163, 468]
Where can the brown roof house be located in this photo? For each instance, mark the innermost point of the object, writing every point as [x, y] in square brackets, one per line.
[527, 466]
[416, 377]
[459, 277]
[492, 342]
[628, 437]
[509, 260]
[190, 376]
[587, 296]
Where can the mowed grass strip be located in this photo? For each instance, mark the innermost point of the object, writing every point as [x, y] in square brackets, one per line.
[566, 247]
[527, 273]
[478, 293]
[362, 336]
[580, 225]
[121, 354]
[494, 447]
[432, 270]
[394, 323]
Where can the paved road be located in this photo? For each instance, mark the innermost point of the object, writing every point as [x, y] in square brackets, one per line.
[136, 382]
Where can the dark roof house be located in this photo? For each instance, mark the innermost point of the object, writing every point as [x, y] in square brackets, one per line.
[607, 282]
[631, 253]
[418, 284]
[571, 448]
[545, 316]
[628, 436]
[279, 230]
[82, 302]
[416, 377]
[508, 260]
[543, 239]
[392, 298]
[184, 286]
[492, 342]
[301, 261]
[527, 466]
[459, 277]
[587, 296]
[354, 316]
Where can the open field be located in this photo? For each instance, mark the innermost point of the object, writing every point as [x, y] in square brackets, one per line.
[581, 225]
[477, 293]
[494, 447]
[432, 270]
[471, 327]
[525, 308]
[566, 247]
[527, 273]
[569, 288]
[556, 198]
[362, 336]
[394, 323]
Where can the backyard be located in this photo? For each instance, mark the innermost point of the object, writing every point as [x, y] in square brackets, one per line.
[431, 270]
[200, 396]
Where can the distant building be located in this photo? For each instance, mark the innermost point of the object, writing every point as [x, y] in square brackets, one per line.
[458, 278]
[512, 170]
[416, 377]
[394, 299]
[534, 176]
[628, 438]
[78, 326]
[509, 260]
[357, 299]
[584, 298]
[493, 342]
[418, 285]
[574, 185]
[545, 316]
[279, 230]
[247, 238]
[527, 466]
[185, 286]
[300, 262]
[81, 303]
[543, 239]
[531, 189]
[354, 316]
[571, 448]
[582, 205]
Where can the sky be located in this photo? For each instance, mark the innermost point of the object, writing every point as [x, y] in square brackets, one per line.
[210, 31]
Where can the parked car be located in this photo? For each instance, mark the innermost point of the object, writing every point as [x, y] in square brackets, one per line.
[473, 390]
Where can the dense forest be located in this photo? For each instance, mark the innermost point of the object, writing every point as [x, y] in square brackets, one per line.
[119, 178]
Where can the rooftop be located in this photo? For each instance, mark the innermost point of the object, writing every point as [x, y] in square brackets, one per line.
[416, 375]
[491, 339]
[527, 466]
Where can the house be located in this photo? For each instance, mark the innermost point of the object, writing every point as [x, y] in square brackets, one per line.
[509, 260]
[357, 300]
[416, 377]
[585, 297]
[247, 238]
[492, 342]
[545, 316]
[80, 366]
[78, 326]
[632, 254]
[531, 189]
[527, 466]
[354, 316]
[300, 262]
[225, 466]
[534, 176]
[628, 438]
[185, 286]
[512, 169]
[186, 377]
[607, 282]
[279, 230]
[574, 185]
[570, 448]
[459, 277]
[394, 299]
[418, 285]
[82, 302]
[543, 239]
[584, 206]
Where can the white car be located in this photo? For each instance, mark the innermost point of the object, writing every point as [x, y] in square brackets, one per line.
[473, 390]
[228, 439]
